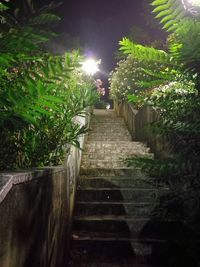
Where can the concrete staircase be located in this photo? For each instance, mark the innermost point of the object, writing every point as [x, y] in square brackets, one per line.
[113, 223]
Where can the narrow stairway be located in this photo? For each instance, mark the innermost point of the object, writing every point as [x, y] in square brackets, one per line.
[112, 224]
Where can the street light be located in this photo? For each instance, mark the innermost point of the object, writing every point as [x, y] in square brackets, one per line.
[90, 66]
[192, 6]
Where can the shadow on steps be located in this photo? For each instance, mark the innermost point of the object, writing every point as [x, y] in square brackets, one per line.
[103, 236]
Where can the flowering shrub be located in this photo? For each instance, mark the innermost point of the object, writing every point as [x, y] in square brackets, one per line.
[178, 107]
[128, 74]
[100, 90]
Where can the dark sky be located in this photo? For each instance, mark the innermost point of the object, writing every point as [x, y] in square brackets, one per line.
[101, 24]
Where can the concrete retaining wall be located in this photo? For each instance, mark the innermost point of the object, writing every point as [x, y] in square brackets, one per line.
[36, 209]
[138, 122]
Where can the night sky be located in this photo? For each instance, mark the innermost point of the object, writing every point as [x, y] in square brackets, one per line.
[101, 24]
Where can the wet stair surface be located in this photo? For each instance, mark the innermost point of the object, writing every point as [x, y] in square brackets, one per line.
[113, 223]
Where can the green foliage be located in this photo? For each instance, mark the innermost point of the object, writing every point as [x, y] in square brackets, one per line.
[177, 102]
[143, 52]
[38, 110]
[184, 43]
[151, 58]
[132, 76]
[3, 7]
[170, 13]
[183, 56]
[40, 96]
[159, 170]
[178, 106]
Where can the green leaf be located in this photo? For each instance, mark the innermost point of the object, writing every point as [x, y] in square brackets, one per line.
[3, 7]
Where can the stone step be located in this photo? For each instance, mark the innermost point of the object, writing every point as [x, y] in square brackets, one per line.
[116, 122]
[108, 137]
[93, 164]
[115, 194]
[85, 208]
[109, 264]
[119, 253]
[116, 156]
[119, 151]
[106, 121]
[101, 130]
[139, 180]
[106, 131]
[121, 147]
[109, 115]
[102, 172]
[109, 164]
[106, 127]
[119, 226]
[109, 237]
[109, 134]
[128, 227]
[112, 144]
[106, 164]
[116, 222]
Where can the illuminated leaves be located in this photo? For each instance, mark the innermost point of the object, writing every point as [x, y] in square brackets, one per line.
[169, 12]
[143, 52]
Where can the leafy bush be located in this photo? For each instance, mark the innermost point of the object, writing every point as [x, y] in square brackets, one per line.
[183, 55]
[179, 106]
[178, 103]
[40, 96]
[175, 104]
[128, 74]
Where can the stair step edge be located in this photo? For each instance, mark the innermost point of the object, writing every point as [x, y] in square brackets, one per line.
[113, 203]
[95, 237]
[119, 189]
[112, 218]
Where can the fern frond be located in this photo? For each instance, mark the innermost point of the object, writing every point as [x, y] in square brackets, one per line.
[169, 12]
[143, 52]
[184, 47]
[158, 2]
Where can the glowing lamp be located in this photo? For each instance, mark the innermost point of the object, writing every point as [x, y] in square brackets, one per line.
[90, 66]
[193, 6]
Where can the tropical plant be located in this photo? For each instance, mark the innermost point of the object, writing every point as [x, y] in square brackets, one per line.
[183, 53]
[132, 76]
[178, 103]
[40, 94]
[170, 13]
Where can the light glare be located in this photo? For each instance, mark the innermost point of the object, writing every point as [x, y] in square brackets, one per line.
[194, 2]
[190, 4]
[108, 106]
[90, 66]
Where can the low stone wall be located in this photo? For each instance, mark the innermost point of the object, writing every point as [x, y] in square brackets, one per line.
[128, 112]
[36, 209]
[138, 122]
